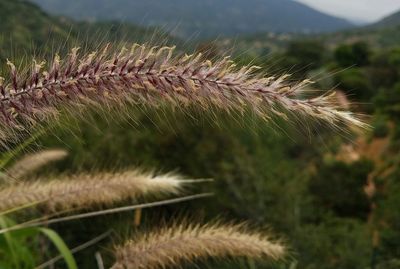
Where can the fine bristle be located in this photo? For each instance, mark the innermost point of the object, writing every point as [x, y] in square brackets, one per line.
[85, 190]
[172, 246]
[150, 77]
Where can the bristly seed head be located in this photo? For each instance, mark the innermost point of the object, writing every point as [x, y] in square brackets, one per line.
[33, 162]
[172, 246]
[88, 189]
[150, 77]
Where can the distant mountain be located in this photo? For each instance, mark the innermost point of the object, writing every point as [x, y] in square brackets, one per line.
[21, 20]
[389, 21]
[204, 18]
[26, 28]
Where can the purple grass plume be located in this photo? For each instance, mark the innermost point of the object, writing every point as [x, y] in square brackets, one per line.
[151, 77]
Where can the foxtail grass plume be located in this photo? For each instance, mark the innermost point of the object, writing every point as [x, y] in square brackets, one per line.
[86, 190]
[150, 77]
[170, 247]
[34, 161]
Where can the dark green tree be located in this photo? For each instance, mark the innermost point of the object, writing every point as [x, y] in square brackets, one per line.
[339, 188]
[356, 54]
[301, 57]
[355, 83]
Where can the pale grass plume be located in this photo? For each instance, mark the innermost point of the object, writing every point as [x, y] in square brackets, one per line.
[89, 189]
[172, 246]
[152, 76]
[32, 162]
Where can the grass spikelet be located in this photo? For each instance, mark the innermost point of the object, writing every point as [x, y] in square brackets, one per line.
[150, 77]
[86, 190]
[32, 162]
[172, 246]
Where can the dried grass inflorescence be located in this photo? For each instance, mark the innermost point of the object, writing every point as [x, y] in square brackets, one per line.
[150, 76]
[187, 243]
[34, 161]
[85, 190]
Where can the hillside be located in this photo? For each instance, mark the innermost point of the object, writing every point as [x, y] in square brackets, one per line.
[24, 26]
[26, 29]
[389, 21]
[206, 18]
[266, 43]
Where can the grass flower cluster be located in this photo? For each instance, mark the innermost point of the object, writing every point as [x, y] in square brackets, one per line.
[88, 189]
[149, 77]
[170, 247]
[33, 162]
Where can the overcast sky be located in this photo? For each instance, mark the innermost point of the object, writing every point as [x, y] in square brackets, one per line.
[359, 10]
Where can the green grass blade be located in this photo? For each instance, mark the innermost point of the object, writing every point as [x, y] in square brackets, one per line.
[5, 223]
[76, 249]
[19, 208]
[61, 246]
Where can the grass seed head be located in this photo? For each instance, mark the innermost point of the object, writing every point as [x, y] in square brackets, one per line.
[152, 77]
[172, 246]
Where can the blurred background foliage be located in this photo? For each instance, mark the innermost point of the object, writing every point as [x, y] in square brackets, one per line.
[334, 199]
